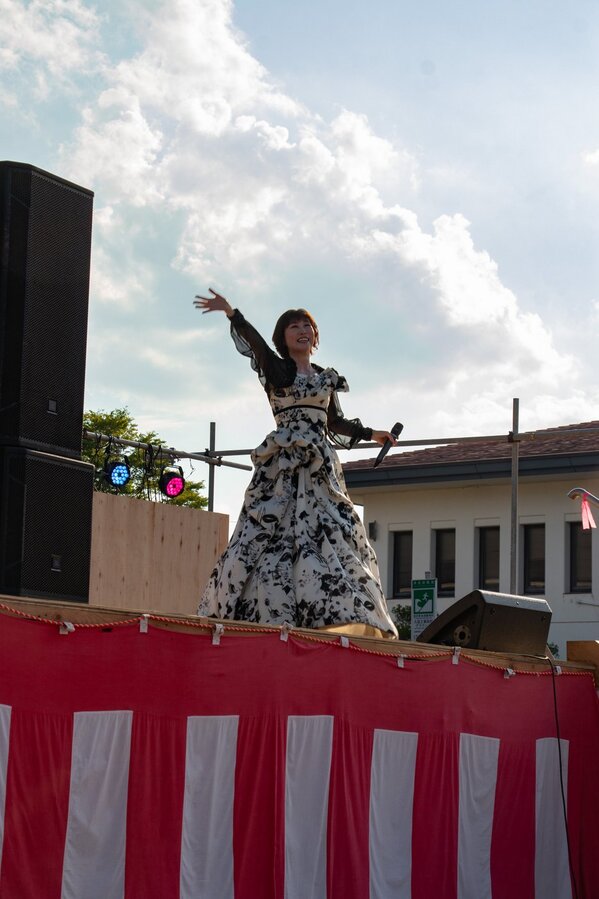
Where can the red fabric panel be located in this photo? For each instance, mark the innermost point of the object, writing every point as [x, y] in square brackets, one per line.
[349, 810]
[259, 815]
[513, 841]
[583, 786]
[435, 818]
[155, 806]
[37, 798]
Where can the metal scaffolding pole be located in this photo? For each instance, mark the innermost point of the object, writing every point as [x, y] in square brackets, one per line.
[214, 457]
[211, 447]
[158, 449]
[515, 438]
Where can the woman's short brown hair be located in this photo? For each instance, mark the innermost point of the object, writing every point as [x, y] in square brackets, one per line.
[292, 315]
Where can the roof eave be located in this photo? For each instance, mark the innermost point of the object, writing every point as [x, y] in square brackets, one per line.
[482, 469]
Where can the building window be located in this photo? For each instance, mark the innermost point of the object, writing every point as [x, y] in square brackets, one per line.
[488, 558]
[445, 561]
[534, 558]
[402, 564]
[581, 579]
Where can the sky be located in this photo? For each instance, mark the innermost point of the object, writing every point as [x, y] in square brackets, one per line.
[424, 178]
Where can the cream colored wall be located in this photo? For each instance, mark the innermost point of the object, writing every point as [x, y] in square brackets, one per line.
[467, 507]
[152, 556]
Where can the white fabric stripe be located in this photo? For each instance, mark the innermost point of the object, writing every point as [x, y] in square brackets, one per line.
[308, 767]
[552, 871]
[94, 856]
[207, 837]
[391, 804]
[478, 780]
[5, 711]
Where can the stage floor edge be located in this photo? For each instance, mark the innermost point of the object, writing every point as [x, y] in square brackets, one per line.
[83, 614]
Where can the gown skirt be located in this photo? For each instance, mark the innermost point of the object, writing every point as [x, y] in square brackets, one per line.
[299, 553]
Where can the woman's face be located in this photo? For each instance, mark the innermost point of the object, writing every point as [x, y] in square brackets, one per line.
[299, 336]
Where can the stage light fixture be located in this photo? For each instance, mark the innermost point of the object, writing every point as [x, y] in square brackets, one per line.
[172, 482]
[117, 471]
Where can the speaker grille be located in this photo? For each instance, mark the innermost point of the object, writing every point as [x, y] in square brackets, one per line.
[45, 525]
[46, 234]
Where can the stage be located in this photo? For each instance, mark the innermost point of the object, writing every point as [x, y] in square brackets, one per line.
[163, 756]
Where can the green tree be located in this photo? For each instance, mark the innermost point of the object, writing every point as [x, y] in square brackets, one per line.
[402, 618]
[145, 465]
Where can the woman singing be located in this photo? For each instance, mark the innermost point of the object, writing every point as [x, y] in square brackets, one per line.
[299, 554]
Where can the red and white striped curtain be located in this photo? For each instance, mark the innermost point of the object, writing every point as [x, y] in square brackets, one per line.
[158, 765]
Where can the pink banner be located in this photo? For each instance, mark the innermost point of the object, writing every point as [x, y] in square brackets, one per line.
[154, 765]
[587, 516]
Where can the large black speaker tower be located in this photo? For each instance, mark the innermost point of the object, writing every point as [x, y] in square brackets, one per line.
[500, 622]
[45, 242]
[45, 490]
[45, 524]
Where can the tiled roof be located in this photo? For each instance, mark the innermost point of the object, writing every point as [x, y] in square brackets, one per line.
[566, 440]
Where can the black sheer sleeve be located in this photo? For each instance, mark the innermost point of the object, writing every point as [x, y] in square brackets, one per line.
[270, 368]
[344, 431]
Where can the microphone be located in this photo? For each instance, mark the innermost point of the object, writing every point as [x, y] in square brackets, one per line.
[396, 431]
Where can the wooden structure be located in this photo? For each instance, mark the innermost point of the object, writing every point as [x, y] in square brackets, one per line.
[152, 556]
[586, 652]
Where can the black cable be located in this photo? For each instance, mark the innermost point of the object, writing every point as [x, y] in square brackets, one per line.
[97, 445]
[561, 779]
[148, 468]
[107, 454]
[96, 455]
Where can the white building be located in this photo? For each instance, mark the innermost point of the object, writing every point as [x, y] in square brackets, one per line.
[447, 510]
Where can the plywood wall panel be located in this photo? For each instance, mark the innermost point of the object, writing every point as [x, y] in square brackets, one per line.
[152, 556]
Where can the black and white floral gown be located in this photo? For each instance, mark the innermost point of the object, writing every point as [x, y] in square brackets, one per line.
[299, 553]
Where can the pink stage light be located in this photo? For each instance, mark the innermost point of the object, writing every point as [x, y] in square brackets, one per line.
[172, 482]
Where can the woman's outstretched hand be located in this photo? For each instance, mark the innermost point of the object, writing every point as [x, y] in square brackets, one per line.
[381, 436]
[215, 303]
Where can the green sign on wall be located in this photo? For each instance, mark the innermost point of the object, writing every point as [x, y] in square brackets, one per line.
[424, 604]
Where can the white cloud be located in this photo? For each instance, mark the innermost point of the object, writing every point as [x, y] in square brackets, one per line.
[124, 285]
[473, 303]
[196, 69]
[191, 145]
[118, 279]
[274, 137]
[117, 147]
[8, 99]
[57, 36]
[195, 121]
[591, 158]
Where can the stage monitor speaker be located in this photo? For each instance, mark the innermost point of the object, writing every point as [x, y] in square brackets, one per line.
[499, 622]
[45, 245]
[45, 525]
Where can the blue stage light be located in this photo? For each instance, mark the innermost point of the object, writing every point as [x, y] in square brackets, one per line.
[117, 472]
